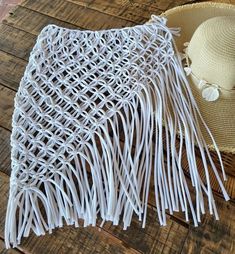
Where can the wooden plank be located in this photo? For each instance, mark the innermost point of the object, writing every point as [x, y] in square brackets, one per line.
[165, 4]
[19, 43]
[214, 236]
[137, 11]
[4, 251]
[5, 154]
[6, 106]
[153, 238]
[229, 162]
[11, 70]
[16, 42]
[75, 14]
[20, 16]
[171, 3]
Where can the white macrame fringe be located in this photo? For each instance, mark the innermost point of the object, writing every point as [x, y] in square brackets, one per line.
[118, 184]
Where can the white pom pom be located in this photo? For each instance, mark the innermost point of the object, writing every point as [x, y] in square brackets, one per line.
[185, 50]
[187, 70]
[202, 83]
[182, 56]
[210, 93]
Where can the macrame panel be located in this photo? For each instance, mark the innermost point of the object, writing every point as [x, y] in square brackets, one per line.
[88, 131]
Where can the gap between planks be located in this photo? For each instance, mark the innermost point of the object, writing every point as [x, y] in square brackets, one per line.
[11, 251]
[75, 14]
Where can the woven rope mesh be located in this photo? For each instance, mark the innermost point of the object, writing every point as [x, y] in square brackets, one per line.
[75, 81]
[97, 100]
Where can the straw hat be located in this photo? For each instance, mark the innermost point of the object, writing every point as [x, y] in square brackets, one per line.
[209, 29]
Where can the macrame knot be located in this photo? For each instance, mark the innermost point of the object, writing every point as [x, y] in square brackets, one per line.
[96, 118]
[158, 19]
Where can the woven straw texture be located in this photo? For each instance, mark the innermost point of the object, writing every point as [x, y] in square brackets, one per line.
[212, 52]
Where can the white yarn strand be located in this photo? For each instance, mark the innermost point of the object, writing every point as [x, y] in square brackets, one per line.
[90, 118]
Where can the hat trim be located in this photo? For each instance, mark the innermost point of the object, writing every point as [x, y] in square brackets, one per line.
[222, 149]
[197, 5]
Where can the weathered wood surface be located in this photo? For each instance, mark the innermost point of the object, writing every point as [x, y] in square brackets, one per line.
[135, 11]
[6, 106]
[217, 237]
[5, 162]
[18, 34]
[75, 14]
[4, 251]
[11, 70]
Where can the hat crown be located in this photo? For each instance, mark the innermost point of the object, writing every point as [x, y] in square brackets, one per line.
[212, 51]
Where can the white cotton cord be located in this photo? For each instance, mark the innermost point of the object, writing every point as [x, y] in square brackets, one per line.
[205, 163]
[209, 157]
[126, 172]
[97, 114]
[148, 147]
[192, 165]
[196, 111]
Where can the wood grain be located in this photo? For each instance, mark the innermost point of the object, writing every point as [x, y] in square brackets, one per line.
[153, 238]
[134, 11]
[4, 251]
[75, 14]
[20, 16]
[16, 42]
[5, 154]
[214, 236]
[6, 106]
[11, 70]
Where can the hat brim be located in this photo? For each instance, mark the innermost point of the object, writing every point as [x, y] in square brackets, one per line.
[190, 16]
[218, 115]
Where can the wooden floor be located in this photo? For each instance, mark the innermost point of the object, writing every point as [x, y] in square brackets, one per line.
[17, 37]
[6, 6]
